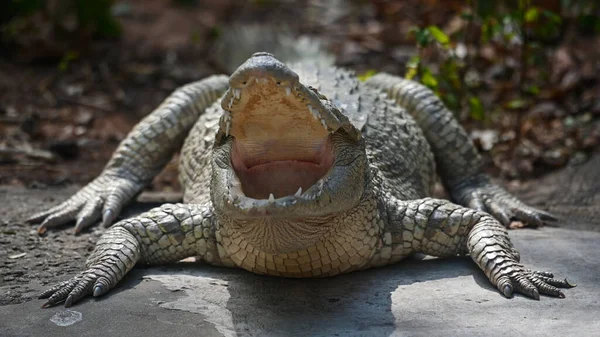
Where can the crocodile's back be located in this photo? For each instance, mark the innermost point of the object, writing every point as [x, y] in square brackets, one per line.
[395, 144]
[398, 149]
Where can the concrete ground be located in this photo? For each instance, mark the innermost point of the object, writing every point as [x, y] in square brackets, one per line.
[418, 297]
[415, 298]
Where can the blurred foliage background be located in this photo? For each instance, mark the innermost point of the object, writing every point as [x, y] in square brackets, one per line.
[75, 75]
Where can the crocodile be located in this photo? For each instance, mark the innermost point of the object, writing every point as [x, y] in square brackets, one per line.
[300, 170]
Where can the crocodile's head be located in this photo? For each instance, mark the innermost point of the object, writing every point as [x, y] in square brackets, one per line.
[283, 149]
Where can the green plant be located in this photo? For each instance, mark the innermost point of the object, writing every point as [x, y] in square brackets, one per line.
[517, 31]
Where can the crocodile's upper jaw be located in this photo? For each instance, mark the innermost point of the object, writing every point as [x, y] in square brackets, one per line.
[282, 140]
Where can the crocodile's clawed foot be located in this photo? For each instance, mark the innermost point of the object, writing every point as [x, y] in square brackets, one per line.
[505, 207]
[530, 283]
[105, 196]
[84, 284]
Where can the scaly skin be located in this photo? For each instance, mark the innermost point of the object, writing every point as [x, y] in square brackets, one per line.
[370, 208]
[459, 164]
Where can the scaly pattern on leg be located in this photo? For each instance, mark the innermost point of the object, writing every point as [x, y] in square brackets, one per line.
[459, 163]
[139, 157]
[165, 234]
[441, 228]
[490, 247]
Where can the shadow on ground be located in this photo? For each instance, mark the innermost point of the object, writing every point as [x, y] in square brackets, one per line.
[240, 303]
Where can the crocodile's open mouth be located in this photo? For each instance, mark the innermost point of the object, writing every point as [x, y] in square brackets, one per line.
[281, 144]
[282, 148]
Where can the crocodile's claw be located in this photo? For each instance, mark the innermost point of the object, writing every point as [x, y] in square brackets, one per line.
[516, 278]
[103, 197]
[488, 197]
[93, 281]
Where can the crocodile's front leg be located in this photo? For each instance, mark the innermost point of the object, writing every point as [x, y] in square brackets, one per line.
[165, 234]
[459, 163]
[441, 228]
[139, 157]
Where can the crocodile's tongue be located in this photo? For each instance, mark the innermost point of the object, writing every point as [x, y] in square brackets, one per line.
[281, 169]
[279, 178]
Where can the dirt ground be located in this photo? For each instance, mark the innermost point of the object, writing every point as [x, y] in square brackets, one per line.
[28, 260]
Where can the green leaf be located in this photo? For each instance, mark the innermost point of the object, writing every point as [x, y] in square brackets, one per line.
[533, 90]
[428, 79]
[69, 56]
[532, 14]
[451, 101]
[422, 36]
[477, 112]
[413, 62]
[366, 75]
[412, 67]
[553, 17]
[410, 73]
[467, 16]
[438, 35]
[588, 23]
[517, 104]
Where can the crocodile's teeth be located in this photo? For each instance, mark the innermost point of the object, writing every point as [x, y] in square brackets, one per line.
[299, 192]
[237, 93]
[227, 128]
[230, 103]
[324, 124]
[271, 198]
[320, 183]
[288, 91]
[314, 112]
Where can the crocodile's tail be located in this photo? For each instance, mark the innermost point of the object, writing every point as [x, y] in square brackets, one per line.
[237, 43]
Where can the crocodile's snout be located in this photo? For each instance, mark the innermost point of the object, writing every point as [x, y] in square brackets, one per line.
[262, 67]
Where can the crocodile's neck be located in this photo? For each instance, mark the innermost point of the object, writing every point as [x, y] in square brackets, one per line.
[306, 247]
